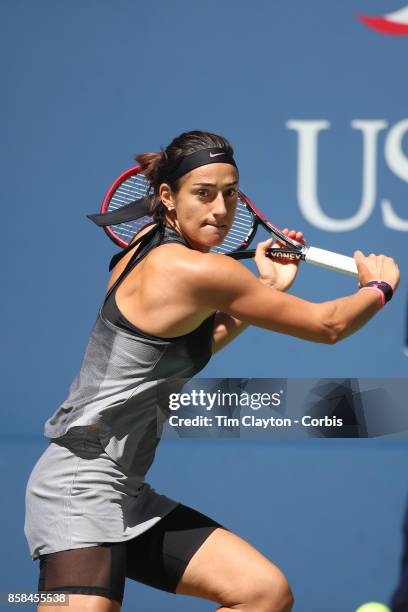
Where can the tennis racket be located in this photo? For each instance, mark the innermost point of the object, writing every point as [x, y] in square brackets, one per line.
[124, 213]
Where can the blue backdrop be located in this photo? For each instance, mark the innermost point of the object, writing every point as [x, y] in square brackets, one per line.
[88, 84]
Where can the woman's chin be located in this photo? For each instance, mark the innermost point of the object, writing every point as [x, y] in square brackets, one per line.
[212, 244]
[208, 245]
[215, 235]
[209, 238]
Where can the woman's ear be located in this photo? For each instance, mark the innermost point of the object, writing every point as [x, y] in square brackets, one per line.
[166, 196]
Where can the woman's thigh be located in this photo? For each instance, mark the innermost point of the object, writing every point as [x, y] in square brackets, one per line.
[159, 556]
[228, 570]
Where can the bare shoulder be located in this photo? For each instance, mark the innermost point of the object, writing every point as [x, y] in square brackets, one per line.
[203, 271]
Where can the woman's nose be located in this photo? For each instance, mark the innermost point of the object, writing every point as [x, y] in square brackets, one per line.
[219, 207]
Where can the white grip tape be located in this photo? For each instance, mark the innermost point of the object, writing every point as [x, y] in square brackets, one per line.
[332, 261]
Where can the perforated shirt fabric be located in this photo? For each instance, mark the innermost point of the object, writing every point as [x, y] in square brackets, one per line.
[88, 487]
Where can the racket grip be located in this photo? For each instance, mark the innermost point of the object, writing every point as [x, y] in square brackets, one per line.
[242, 254]
[332, 261]
[248, 254]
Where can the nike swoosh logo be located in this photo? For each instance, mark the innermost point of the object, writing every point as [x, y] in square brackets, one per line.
[215, 154]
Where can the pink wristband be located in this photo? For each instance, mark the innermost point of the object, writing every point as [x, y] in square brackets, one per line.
[378, 291]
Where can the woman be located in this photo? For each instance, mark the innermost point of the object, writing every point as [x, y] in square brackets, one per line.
[91, 519]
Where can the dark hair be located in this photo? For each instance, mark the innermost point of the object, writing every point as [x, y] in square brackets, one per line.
[158, 166]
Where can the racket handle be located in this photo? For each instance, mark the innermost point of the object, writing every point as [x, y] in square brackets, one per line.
[332, 261]
[242, 254]
[249, 253]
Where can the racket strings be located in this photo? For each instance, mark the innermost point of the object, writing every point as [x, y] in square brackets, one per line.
[133, 188]
[137, 186]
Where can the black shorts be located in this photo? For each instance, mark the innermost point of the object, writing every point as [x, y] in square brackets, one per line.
[157, 557]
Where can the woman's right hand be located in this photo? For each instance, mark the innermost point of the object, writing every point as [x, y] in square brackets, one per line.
[376, 267]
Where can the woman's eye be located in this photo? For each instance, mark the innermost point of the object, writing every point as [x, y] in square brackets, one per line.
[232, 192]
[203, 193]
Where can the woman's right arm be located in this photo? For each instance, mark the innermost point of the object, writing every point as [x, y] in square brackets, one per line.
[223, 284]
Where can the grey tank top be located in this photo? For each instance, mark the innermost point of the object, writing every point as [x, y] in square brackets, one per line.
[126, 377]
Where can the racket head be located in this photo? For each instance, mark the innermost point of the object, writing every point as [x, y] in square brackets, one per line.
[129, 186]
[132, 185]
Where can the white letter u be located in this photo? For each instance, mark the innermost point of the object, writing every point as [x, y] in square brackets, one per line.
[307, 173]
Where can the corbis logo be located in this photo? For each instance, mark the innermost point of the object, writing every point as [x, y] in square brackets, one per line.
[394, 24]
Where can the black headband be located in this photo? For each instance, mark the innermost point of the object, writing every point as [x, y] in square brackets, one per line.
[212, 155]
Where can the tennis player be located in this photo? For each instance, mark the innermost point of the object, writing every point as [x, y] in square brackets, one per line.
[91, 519]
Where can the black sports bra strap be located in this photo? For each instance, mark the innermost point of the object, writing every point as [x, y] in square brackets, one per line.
[116, 258]
[143, 241]
[144, 244]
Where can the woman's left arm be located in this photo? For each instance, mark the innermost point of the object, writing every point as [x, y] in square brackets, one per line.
[278, 274]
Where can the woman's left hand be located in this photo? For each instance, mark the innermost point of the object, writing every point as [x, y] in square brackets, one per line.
[278, 273]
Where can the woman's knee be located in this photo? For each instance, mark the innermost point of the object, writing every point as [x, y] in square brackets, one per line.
[264, 592]
[230, 571]
[273, 593]
[284, 595]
